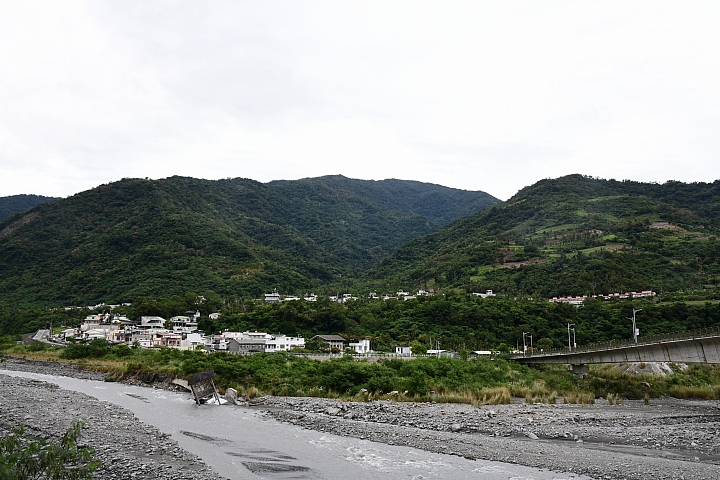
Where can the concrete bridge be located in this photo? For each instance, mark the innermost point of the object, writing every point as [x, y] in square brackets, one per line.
[700, 346]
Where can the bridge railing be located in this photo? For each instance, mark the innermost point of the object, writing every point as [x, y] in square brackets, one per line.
[646, 340]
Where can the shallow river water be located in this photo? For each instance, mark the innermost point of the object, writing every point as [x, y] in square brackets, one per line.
[240, 443]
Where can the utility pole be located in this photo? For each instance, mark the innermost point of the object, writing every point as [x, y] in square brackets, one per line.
[570, 325]
[524, 346]
[635, 329]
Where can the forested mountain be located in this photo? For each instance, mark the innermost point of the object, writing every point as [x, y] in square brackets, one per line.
[234, 237]
[13, 204]
[570, 236]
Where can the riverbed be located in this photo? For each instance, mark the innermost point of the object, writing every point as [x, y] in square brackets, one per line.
[246, 443]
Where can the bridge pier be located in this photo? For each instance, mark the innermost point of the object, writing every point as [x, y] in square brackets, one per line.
[578, 369]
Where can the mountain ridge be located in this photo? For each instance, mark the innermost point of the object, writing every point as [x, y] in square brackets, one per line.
[14, 204]
[140, 237]
[570, 218]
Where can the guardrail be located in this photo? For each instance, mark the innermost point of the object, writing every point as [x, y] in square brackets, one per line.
[615, 345]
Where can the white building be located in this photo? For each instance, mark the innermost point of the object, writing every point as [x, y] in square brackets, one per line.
[404, 351]
[281, 343]
[272, 297]
[362, 346]
[488, 293]
[191, 341]
[151, 321]
[184, 324]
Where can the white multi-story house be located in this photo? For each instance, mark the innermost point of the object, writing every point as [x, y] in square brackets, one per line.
[184, 324]
[151, 321]
[282, 343]
[362, 346]
[144, 338]
[191, 341]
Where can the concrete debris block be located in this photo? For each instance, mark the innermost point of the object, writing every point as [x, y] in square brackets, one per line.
[231, 396]
[532, 436]
[455, 427]
[332, 411]
[349, 416]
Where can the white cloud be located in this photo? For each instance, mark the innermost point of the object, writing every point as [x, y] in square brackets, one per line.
[474, 95]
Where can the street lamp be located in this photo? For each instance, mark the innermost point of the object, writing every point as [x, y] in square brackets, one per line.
[569, 344]
[524, 346]
[635, 330]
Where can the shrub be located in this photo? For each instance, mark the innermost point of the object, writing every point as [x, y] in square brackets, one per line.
[24, 458]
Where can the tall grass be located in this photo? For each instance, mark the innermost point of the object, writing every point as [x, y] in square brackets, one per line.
[441, 380]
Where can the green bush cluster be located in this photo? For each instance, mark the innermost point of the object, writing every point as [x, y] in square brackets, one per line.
[26, 458]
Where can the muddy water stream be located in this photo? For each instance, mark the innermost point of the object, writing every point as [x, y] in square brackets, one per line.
[240, 443]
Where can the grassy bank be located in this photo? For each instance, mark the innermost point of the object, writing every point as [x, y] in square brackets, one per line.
[478, 381]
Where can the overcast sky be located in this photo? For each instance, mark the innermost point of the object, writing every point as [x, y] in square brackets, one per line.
[490, 96]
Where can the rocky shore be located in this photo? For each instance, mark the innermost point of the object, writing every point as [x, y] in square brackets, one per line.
[668, 439]
[128, 448]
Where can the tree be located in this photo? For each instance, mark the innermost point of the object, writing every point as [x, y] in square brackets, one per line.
[23, 458]
[544, 343]
[418, 349]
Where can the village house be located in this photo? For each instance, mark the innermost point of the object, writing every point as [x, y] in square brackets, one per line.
[331, 341]
[243, 346]
[282, 343]
[151, 321]
[488, 293]
[272, 297]
[192, 341]
[170, 340]
[362, 346]
[187, 323]
[403, 351]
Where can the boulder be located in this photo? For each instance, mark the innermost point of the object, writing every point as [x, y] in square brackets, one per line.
[231, 396]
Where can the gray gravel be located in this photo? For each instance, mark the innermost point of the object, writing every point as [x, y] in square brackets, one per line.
[128, 448]
[669, 439]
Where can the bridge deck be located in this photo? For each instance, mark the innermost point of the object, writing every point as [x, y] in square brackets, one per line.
[702, 346]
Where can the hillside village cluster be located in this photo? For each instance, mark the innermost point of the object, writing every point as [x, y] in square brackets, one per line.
[181, 332]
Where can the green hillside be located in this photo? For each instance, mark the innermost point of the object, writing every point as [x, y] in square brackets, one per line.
[235, 236]
[571, 236]
[13, 204]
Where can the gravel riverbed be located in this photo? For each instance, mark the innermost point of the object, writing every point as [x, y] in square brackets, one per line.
[128, 448]
[668, 439]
